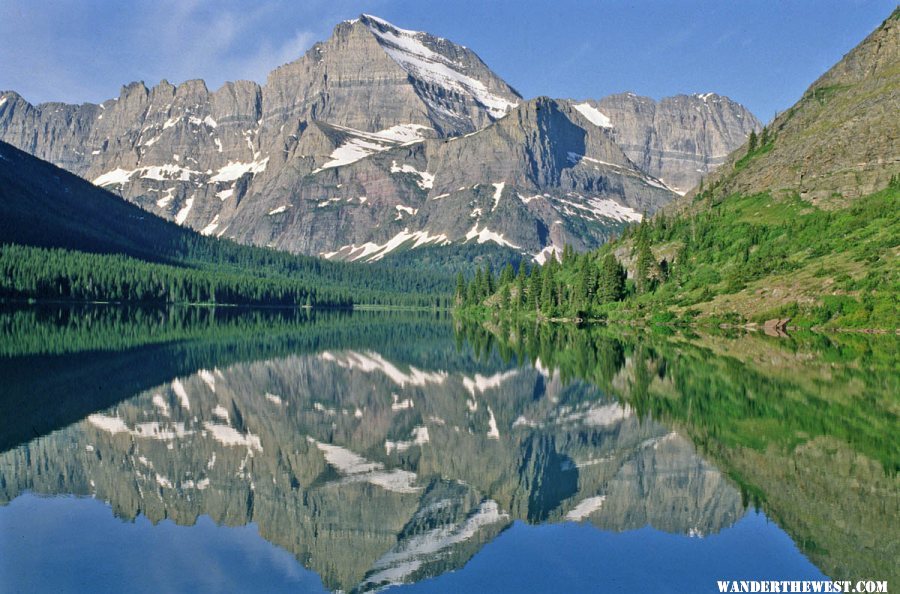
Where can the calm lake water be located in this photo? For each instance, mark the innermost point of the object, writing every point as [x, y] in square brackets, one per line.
[211, 450]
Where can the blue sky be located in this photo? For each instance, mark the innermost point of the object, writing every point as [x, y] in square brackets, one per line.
[763, 54]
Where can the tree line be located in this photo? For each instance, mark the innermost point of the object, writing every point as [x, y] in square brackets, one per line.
[571, 286]
[251, 278]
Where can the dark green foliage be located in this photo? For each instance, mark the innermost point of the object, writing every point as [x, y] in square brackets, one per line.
[460, 293]
[58, 274]
[756, 146]
[611, 281]
[450, 259]
[35, 273]
[571, 289]
[644, 264]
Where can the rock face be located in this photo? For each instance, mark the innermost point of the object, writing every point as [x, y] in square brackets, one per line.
[677, 139]
[537, 179]
[379, 139]
[840, 141]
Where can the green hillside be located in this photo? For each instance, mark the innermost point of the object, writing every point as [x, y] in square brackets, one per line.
[800, 224]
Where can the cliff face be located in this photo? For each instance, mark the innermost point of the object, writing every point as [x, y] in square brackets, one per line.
[341, 457]
[380, 139]
[677, 139]
[541, 177]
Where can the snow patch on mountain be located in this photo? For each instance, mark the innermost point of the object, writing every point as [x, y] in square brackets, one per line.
[543, 256]
[408, 50]
[594, 115]
[235, 169]
[485, 235]
[372, 252]
[426, 180]
[182, 215]
[362, 144]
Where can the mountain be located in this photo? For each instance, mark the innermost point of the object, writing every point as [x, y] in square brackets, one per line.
[536, 179]
[798, 226]
[840, 140]
[365, 145]
[677, 139]
[43, 205]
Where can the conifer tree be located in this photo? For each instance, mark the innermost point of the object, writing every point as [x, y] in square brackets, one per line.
[504, 297]
[508, 274]
[547, 296]
[611, 284]
[521, 284]
[534, 289]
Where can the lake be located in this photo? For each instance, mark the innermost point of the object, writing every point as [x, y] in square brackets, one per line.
[249, 450]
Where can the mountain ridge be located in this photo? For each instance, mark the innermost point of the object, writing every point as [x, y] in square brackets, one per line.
[840, 140]
[226, 162]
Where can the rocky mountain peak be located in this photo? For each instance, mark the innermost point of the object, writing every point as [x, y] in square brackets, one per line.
[442, 69]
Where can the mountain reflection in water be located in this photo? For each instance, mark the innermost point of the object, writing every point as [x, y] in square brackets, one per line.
[378, 450]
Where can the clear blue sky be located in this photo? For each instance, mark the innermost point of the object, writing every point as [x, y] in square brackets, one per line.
[763, 54]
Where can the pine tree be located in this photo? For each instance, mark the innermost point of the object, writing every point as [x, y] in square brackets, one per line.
[508, 274]
[611, 284]
[643, 265]
[751, 145]
[547, 296]
[478, 283]
[504, 297]
[534, 289]
[521, 284]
